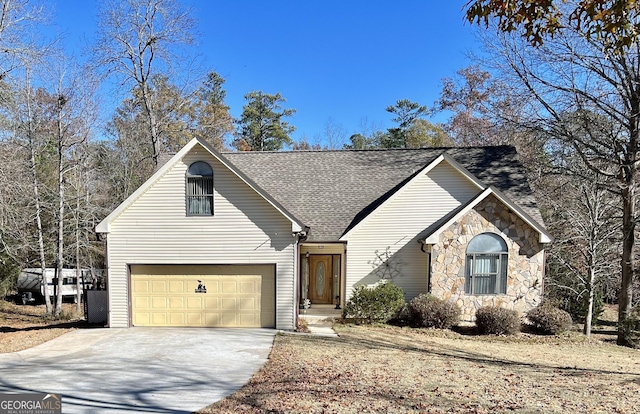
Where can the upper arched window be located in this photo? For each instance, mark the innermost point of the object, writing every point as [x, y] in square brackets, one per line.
[487, 261]
[200, 189]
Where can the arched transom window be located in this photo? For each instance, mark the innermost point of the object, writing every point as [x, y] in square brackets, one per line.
[487, 260]
[200, 189]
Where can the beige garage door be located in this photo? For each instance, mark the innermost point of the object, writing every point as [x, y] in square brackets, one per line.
[229, 296]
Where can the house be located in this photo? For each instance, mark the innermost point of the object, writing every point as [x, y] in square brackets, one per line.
[241, 239]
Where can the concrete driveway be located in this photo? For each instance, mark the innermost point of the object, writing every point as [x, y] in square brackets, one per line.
[159, 370]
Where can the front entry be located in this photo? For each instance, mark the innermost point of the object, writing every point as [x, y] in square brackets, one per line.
[321, 278]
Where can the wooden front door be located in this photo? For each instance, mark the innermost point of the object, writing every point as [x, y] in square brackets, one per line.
[320, 278]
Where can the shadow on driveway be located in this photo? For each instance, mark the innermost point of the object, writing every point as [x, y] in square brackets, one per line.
[163, 370]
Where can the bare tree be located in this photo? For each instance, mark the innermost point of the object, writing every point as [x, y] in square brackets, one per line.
[584, 218]
[334, 134]
[138, 39]
[74, 112]
[574, 80]
[19, 49]
[18, 45]
[24, 121]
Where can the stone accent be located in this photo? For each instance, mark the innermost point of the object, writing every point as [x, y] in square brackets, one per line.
[525, 267]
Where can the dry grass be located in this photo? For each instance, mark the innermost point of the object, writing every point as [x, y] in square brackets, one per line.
[393, 369]
[25, 326]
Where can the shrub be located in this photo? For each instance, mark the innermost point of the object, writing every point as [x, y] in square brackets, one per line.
[380, 303]
[430, 312]
[68, 314]
[549, 319]
[497, 320]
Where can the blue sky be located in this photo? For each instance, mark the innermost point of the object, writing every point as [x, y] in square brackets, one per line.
[339, 60]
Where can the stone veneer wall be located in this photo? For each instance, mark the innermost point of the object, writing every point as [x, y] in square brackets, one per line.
[526, 260]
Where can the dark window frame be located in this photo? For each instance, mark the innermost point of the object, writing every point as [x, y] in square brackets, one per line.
[199, 189]
[492, 278]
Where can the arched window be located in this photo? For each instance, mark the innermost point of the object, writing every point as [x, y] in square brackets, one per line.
[487, 259]
[199, 189]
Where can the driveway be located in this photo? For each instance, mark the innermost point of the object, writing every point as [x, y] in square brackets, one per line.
[159, 370]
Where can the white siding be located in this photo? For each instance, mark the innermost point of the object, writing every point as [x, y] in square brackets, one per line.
[245, 229]
[396, 225]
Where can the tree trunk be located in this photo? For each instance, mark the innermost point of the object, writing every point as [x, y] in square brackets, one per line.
[79, 280]
[44, 282]
[151, 118]
[626, 288]
[60, 253]
[589, 316]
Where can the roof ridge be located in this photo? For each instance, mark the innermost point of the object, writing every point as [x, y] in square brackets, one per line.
[351, 150]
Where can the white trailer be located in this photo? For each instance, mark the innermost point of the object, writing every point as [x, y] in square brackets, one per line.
[30, 287]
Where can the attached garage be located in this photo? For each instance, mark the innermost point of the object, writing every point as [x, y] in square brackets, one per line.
[203, 295]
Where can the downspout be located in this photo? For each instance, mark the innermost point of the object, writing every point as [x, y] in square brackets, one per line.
[299, 236]
[428, 253]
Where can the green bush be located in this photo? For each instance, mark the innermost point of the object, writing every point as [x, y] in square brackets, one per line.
[497, 320]
[431, 312]
[549, 319]
[380, 303]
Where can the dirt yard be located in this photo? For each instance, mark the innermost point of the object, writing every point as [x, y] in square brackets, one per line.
[398, 370]
[25, 326]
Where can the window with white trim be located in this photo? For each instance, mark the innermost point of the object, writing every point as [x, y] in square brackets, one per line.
[487, 261]
[200, 189]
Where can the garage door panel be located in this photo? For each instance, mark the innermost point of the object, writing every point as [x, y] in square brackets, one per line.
[247, 286]
[236, 296]
[159, 318]
[159, 286]
[247, 304]
[194, 319]
[159, 302]
[211, 303]
[141, 302]
[141, 319]
[141, 286]
[212, 286]
[228, 319]
[176, 286]
[228, 304]
[177, 319]
[176, 302]
[212, 319]
[249, 319]
[229, 286]
[194, 303]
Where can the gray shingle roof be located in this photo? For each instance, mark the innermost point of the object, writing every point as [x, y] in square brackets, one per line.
[330, 191]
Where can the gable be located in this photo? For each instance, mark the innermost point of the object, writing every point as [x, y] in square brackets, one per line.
[432, 234]
[423, 200]
[165, 190]
[234, 202]
[428, 196]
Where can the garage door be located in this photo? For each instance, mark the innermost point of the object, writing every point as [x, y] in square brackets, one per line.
[213, 296]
